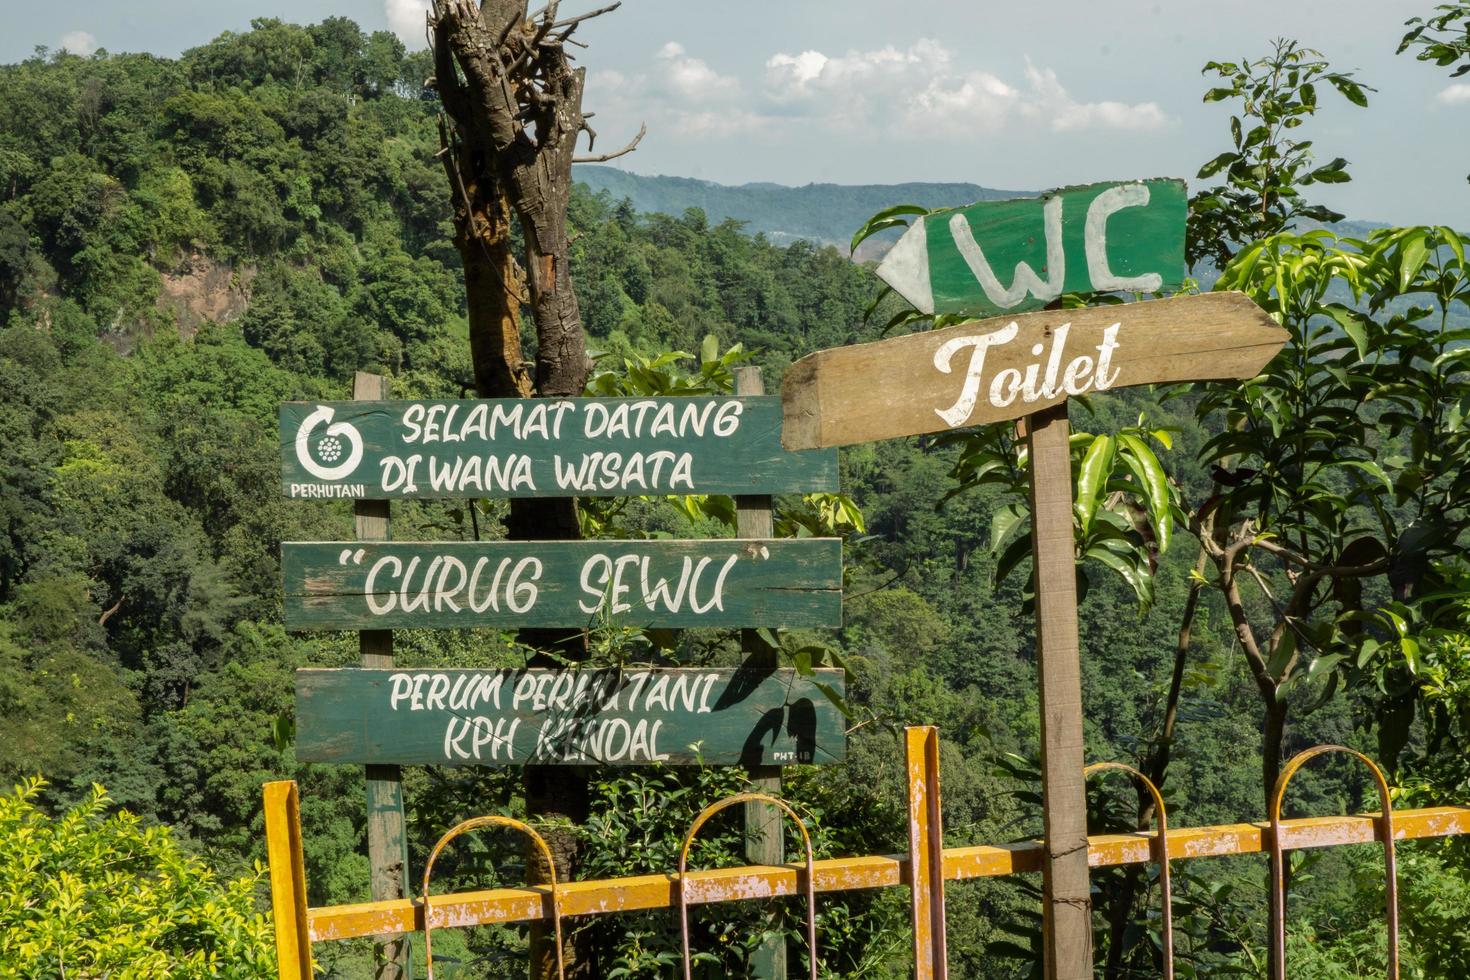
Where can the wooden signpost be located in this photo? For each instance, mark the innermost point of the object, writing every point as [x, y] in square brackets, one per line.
[372, 451]
[1099, 238]
[632, 716]
[448, 585]
[1024, 367]
[538, 447]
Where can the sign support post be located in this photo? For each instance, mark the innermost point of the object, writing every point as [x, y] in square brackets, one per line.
[1021, 366]
[763, 841]
[1067, 904]
[387, 837]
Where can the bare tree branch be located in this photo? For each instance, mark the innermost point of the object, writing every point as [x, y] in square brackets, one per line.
[574, 21]
[108, 614]
[603, 157]
[1282, 552]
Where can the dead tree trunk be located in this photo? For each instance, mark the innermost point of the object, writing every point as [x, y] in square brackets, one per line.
[512, 118]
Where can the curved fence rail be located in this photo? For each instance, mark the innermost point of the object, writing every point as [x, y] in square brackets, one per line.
[1385, 834]
[464, 827]
[298, 927]
[806, 840]
[1161, 855]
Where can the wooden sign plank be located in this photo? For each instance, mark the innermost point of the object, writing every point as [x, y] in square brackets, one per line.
[1008, 367]
[593, 447]
[1009, 256]
[676, 584]
[683, 716]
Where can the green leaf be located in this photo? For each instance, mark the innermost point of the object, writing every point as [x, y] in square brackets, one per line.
[1351, 322]
[1372, 469]
[1281, 656]
[1131, 572]
[1350, 89]
[1157, 486]
[1218, 164]
[1413, 253]
[1410, 648]
[1092, 478]
[836, 699]
[1003, 520]
[886, 218]
[1015, 552]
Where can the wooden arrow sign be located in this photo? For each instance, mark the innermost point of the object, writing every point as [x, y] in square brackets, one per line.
[1007, 367]
[1009, 256]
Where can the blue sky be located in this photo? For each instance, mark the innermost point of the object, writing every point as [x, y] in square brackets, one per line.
[1012, 95]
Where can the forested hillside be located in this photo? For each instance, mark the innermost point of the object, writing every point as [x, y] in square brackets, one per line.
[185, 243]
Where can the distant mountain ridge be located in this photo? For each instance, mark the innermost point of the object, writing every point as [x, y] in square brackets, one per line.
[822, 213]
[825, 213]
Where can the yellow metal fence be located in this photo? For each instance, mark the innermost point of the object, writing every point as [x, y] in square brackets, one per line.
[924, 870]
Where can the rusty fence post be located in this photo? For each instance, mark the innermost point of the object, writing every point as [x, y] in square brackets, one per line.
[682, 891]
[1160, 847]
[1278, 858]
[474, 823]
[926, 853]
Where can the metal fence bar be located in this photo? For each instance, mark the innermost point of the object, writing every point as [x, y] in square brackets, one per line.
[431, 914]
[660, 891]
[1278, 858]
[288, 880]
[1161, 855]
[926, 854]
[685, 879]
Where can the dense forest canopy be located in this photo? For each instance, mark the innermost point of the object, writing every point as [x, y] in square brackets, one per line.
[185, 243]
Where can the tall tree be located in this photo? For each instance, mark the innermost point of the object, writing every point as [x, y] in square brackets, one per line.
[512, 120]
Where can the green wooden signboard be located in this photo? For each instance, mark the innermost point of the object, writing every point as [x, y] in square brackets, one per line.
[999, 257]
[592, 447]
[569, 717]
[677, 584]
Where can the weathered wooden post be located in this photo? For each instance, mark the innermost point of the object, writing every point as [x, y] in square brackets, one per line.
[1024, 366]
[386, 835]
[1066, 891]
[763, 840]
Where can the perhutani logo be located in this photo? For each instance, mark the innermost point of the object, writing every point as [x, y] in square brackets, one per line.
[322, 454]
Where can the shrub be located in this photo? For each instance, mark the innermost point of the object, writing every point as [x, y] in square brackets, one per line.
[89, 894]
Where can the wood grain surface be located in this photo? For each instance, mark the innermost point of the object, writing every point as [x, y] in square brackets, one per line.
[593, 447]
[1007, 367]
[658, 583]
[632, 716]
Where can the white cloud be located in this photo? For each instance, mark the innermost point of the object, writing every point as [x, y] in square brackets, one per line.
[1049, 102]
[919, 89]
[690, 79]
[678, 95]
[860, 89]
[1456, 94]
[79, 42]
[924, 88]
[406, 19]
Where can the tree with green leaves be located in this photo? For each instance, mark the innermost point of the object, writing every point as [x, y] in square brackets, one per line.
[91, 894]
[1268, 164]
[1442, 38]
